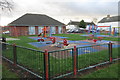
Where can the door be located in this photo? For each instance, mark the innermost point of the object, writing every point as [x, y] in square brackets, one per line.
[31, 30]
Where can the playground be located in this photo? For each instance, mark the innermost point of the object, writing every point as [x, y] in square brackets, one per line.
[60, 52]
[53, 43]
[60, 41]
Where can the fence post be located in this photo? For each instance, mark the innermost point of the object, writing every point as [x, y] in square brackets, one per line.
[3, 43]
[110, 51]
[46, 66]
[14, 54]
[75, 60]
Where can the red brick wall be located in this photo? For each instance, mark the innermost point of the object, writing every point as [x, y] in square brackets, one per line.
[64, 29]
[24, 30]
[11, 30]
[20, 30]
[56, 28]
[36, 30]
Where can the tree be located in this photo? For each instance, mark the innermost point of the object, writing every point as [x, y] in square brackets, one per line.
[82, 24]
[4, 4]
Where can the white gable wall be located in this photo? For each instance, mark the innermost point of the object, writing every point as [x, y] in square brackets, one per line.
[112, 24]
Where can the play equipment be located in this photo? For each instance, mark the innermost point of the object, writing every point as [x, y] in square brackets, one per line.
[109, 29]
[39, 34]
[95, 40]
[53, 39]
[42, 40]
[95, 30]
[65, 43]
[114, 31]
[62, 44]
[44, 31]
[92, 28]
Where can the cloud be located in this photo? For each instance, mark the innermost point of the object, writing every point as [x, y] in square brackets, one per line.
[88, 8]
[69, 7]
[64, 9]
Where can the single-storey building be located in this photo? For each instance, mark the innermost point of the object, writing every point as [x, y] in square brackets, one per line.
[113, 21]
[32, 24]
[75, 24]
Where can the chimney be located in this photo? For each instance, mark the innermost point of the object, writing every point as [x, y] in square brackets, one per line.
[108, 16]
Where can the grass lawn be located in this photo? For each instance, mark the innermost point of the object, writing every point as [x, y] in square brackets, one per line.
[34, 60]
[73, 36]
[24, 40]
[78, 37]
[108, 72]
[7, 74]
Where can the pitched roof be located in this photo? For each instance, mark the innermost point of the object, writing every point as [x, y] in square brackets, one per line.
[110, 19]
[77, 23]
[90, 23]
[35, 19]
[73, 23]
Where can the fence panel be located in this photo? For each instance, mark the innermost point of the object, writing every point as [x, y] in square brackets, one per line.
[60, 62]
[116, 53]
[31, 59]
[91, 55]
[7, 51]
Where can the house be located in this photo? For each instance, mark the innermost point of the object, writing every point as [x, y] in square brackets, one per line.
[75, 24]
[113, 21]
[32, 24]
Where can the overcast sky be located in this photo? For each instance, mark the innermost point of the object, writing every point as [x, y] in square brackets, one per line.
[62, 10]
